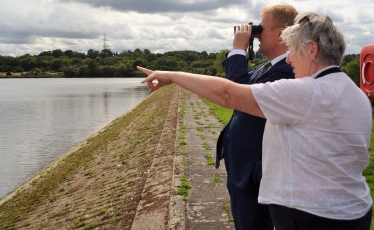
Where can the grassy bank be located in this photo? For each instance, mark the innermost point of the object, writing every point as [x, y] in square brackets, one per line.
[99, 183]
[224, 116]
[369, 171]
[29, 75]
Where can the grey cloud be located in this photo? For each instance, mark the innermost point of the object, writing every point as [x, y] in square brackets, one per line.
[356, 40]
[159, 25]
[213, 33]
[172, 32]
[219, 20]
[27, 35]
[335, 15]
[152, 6]
[70, 34]
[64, 21]
[30, 39]
[365, 18]
[355, 47]
[27, 31]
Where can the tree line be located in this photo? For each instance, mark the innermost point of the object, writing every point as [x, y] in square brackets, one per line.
[106, 63]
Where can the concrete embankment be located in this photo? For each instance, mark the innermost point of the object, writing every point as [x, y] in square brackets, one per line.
[208, 205]
[127, 175]
[205, 203]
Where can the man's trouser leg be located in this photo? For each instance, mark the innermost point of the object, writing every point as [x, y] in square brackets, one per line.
[248, 214]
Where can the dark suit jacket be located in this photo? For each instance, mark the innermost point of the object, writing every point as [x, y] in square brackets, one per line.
[241, 139]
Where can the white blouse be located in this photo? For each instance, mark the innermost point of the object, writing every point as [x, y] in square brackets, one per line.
[315, 145]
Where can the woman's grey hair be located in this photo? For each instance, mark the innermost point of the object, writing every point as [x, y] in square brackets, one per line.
[310, 27]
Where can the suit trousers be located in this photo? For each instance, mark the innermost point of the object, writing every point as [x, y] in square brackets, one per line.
[248, 214]
[285, 218]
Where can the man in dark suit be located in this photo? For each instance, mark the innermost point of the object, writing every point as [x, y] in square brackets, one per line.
[240, 142]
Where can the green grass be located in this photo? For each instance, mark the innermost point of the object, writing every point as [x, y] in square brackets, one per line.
[206, 146]
[221, 113]
[369, 171]
[217, 180]
[181, 110]
[184, 187]
[227, 208]
[210, 160]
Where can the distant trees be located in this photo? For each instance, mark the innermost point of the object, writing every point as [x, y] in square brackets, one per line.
[18, 69]
[220, 57]
[57, 53]
[351, 66]
[106, 63]
[92, 53]
[70, 71]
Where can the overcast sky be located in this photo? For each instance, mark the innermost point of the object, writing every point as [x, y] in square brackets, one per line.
[33, 26]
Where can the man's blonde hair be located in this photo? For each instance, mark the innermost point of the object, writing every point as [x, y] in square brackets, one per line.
[282, 16]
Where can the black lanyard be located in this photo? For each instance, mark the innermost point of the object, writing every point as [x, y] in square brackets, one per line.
[328, 71]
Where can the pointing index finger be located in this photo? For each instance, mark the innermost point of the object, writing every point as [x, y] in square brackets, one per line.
[144, 70]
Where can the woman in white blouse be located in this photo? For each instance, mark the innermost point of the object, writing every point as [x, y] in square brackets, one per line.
[317, 132]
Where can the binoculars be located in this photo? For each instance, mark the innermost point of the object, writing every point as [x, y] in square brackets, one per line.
[256, 29]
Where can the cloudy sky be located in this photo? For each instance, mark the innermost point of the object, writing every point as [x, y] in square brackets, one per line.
[33, 26]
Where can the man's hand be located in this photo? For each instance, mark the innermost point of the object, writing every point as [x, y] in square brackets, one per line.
[242, 35]
[162, 77]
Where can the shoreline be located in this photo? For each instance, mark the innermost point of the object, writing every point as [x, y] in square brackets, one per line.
[111, 160]
[54, 163]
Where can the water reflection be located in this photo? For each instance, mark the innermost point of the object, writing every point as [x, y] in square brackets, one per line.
[43, 118]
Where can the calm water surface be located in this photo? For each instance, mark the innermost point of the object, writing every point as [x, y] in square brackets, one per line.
[41, 119]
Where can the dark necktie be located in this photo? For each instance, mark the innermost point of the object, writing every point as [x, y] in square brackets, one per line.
[262, 71]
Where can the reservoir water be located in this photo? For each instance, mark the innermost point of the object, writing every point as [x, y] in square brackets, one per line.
[43, 118]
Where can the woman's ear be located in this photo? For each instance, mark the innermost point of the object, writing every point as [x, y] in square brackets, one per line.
[313, 49]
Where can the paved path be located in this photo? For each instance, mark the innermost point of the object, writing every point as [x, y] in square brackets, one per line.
[186, 148]
[208, 197]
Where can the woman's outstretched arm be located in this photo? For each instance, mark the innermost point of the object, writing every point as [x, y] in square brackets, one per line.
[216, 89]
